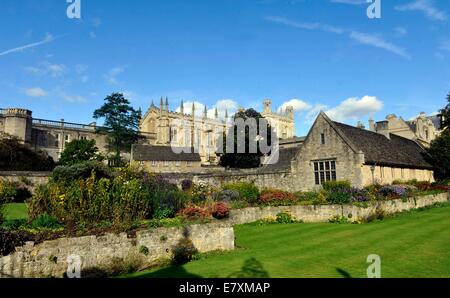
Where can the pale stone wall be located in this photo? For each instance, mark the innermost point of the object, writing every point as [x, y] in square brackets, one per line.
[50, 257]
[387, 175]
[36, 178]
[169, 166]
[348, 162]
[324, 213]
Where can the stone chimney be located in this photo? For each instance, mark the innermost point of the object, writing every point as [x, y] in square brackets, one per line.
[372, 125]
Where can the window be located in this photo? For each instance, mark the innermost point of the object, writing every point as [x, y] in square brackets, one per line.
[84, 138]
[67, 139]
[322, 139]
[178, 163]
[57, 140]
[324, 171]
[189, 163]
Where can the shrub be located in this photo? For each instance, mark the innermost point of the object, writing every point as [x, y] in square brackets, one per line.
[277, 198]
[14, 192]
[330, 185]
[82, 170]
[343, 195]
[339, 219]
[285, 218]
[247, 191]
[144, 250]
[393, 191]
[199, 193]
[186, 185]
[10, 240]
[227, 195]
[45, 221]
[220, 210]
[193, 212]
[183, 252]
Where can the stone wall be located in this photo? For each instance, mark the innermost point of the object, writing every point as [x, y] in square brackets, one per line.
[50, 257]
[326, 212]
[36, 178]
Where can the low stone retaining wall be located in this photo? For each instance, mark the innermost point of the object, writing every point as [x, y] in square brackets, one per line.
[36, 178]
[324, 213]
[49, 259]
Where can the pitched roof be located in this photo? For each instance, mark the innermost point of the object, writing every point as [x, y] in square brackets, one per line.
[162, 153]
[377, 149]
[284, 161]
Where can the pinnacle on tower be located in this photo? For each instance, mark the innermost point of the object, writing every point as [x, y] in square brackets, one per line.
[167, 104]
[161, 105]
[182, 107]
[193, 109]
[205, 112]
[216, 113]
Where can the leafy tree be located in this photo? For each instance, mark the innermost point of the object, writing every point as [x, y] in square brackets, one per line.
[445, 112]
[439, 155]
[244, 160]
[121, 123]
[78, 151]
[15, 156]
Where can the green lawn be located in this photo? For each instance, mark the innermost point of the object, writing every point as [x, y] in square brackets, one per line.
[414, 244]
[16, 211]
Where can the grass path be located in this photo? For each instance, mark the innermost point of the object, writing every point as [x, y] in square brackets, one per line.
[16, 211]
[414, 244]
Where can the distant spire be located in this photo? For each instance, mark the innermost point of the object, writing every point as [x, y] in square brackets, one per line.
[182, 107]
[226, 114]
[153, 104]
[216, 113]
[205, 112]
[161, 105]
[167, 104]
[193, 109]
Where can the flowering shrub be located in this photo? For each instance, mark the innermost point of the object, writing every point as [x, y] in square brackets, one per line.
[441, 187]
[393, 191]
[344, 195]
[285, 218]
[193, 212]
[220, 210]
[330, 185]
[277, 198]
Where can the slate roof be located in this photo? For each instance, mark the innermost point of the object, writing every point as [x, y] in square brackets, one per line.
[162, 153]
[284, 161]
[396, 151]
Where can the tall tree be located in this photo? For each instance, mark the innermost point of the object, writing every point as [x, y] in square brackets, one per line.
[78, 151]
[121, 124]
[439, 155]
[230, 157]
[445, 112]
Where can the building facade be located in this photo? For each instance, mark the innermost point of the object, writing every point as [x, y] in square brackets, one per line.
[197, 130]
[423, 128]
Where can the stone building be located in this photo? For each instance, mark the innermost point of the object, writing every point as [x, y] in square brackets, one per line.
[163, 159]
[46, 135]
[423, 129]
[197, 130]
[336, 151]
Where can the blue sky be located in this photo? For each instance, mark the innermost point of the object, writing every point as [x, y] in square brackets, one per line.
[315, 54]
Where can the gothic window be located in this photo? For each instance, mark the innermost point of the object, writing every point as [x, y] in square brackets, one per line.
[56, 140]
[324, 171]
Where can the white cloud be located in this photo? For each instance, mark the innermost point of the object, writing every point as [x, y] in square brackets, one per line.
[400, 31]
[363, 38]
[111, 77]
[48, 38]
[307, 26]
[35, 92]
[56, 70]
[73, 98]
[298, 105]
[355, 108]
[313, 112]
[351, 2]
[426, 7]
[378, 42]
[46, 68]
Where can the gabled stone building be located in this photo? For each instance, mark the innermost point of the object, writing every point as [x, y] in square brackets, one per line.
[335, 151]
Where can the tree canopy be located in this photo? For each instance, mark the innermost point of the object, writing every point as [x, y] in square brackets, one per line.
[15, 156]
[231, 157]
[78, 151]
[121, 123]
[445, 112]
